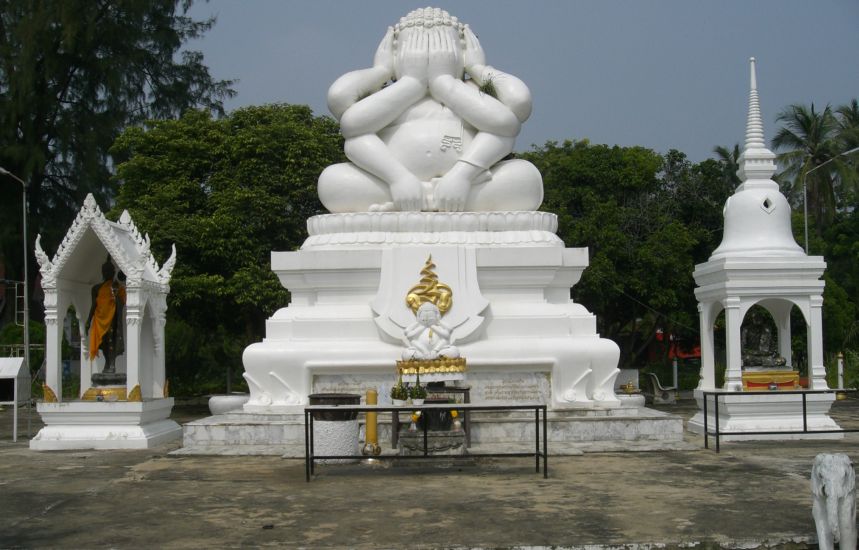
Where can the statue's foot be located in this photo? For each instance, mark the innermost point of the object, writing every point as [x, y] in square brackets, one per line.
[451, 193]
[384, 207]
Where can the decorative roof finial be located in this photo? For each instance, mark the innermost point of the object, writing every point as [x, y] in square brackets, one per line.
[756, 162]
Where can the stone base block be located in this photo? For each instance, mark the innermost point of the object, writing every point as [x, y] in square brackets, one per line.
[105, 425]
[241, 433]
[763, 413]
[438, 443]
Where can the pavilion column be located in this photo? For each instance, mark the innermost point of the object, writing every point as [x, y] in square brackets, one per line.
[86, 364]
[133, 326]
[53, 343]
[158, 364]
[733, 341]
[708, 372]
[816, 369]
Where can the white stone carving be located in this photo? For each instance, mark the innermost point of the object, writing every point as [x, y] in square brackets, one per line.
[833, 490]
[757, 215]
[375, 229]
[428, 337]
[427, 126]
[426, 129]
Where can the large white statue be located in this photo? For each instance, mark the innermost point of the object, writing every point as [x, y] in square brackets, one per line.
[427, 126]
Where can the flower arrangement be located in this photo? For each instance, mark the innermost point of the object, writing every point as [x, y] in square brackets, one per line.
[417, 391]
[399, 392]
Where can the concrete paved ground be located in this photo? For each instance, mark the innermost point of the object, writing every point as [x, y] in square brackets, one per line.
[753, 494]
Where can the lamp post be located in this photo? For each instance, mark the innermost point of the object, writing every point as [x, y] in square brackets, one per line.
[5, 172]
[804, 192]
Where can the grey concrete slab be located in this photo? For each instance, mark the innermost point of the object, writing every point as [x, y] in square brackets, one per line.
[752, 494]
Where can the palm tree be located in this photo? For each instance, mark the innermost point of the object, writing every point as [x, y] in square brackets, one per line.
[730, 161]
[809, 138]
[848, 125]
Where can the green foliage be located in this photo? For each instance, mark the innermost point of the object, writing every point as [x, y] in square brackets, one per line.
[417, 392]
[400, 391]
[812, 143]
[13, 335]
[851, 369]
[647, 219]
[227, 192]
[73, 74]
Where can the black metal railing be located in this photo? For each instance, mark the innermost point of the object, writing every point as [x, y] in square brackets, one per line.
[540, 422]
[804, 393]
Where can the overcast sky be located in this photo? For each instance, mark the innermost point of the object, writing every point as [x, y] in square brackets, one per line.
[659, 73]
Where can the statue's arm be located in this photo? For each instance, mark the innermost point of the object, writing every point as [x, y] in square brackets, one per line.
[509, 90]
[481, 110]
[413, 330]
[380, 109]
[351, 87]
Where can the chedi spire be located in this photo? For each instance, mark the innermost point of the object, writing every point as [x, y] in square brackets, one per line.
[757, 215]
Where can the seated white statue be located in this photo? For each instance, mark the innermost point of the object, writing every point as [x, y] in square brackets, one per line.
[428, 337]
[421, 136]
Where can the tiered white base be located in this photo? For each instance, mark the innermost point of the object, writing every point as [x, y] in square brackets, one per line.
[512, 317]
[105, 425]
[771, 412]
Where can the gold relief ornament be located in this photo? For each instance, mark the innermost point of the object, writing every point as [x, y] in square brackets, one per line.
[442, 365]
[429, 289]
[134, 394]
[429, 351]
[105, 393]
[49, 395]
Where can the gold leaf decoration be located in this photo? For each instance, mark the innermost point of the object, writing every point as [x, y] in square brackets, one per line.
[49, 395]
[134, 394]
[429, 289]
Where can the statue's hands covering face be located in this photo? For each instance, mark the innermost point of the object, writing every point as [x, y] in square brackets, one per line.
[411, 58]
[445, 55]
[474, 58]
[384, 57]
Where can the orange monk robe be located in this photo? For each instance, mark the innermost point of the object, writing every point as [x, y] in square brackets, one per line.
[102, 318]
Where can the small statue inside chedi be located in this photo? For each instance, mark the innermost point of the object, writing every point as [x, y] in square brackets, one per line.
[428, 337]
[427, 126]
[104, 324]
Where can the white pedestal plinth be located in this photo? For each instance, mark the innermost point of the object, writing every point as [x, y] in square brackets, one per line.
[105, 425]
[771, 412]
[512, 317]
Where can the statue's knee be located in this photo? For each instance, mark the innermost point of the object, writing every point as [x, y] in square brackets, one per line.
[515, 185]
[330, 187]
[346, 188]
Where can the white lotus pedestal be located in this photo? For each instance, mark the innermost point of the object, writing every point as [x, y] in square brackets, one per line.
[105, 425]
[762, 413]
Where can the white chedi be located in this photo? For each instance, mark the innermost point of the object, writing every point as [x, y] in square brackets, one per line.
[427, 126]
[757, 215]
